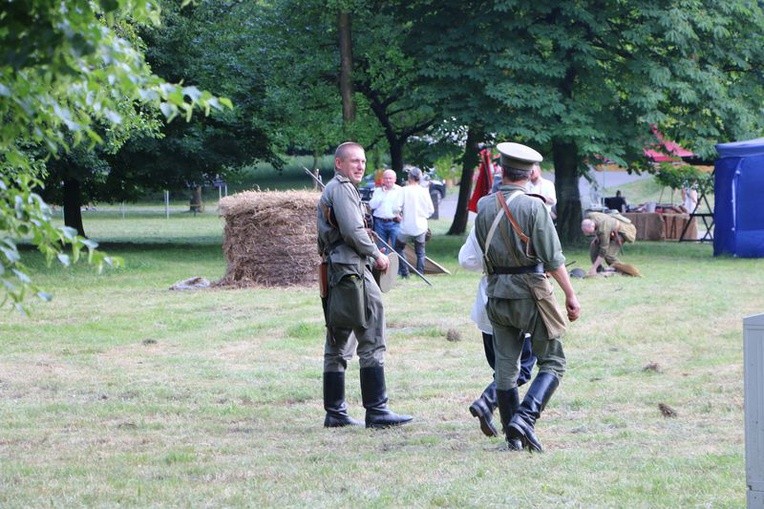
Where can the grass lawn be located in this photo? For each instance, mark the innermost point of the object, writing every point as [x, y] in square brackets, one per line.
[121, 392]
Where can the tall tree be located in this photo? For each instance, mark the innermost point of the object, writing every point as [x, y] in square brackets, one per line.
[302, 105]
[63, 70]
[455, 68]
[587, 81]
[381, 72]
[204, 45]
[82, 174]
[212, 45]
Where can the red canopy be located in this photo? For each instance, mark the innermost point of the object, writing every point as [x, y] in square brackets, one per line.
[665, 150]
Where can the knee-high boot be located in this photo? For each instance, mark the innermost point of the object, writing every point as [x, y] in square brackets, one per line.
[334, 401]
[483, 408]
[374, 395]
[508, 402]
[521, 426]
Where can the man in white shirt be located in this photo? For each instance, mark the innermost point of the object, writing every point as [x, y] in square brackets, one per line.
[544, 188]
[417, 207]
[386, 204]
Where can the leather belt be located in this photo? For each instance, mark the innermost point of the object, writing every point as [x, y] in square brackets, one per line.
[384, 219]
[530, 269]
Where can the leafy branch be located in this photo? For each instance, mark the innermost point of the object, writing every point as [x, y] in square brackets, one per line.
[681, 176]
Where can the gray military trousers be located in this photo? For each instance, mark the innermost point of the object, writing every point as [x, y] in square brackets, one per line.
[368, 342]
[511, 319]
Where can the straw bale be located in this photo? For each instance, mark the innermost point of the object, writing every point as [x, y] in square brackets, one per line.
[269, 238]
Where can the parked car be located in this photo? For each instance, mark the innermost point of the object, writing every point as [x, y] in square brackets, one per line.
[366, 187]
[430, 179]
[435, 183]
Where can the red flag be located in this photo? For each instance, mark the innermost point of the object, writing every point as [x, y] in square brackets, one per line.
[484, 180]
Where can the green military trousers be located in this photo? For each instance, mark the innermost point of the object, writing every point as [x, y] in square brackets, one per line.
[369, 342]
[511, 319]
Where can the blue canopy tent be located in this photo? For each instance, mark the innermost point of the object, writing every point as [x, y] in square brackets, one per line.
[738, 192]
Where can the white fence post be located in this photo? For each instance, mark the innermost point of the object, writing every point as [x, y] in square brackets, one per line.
[753, 377]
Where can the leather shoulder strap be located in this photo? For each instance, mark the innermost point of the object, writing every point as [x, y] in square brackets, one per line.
[495, 224]
[515, 226]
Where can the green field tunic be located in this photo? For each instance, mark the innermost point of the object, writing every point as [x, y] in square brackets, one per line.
[345, 243]
[512, 306]
[608, 244]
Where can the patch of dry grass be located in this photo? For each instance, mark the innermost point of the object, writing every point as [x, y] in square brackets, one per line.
[123, 393]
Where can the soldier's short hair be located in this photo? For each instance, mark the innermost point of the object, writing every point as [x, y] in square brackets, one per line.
[342, 149]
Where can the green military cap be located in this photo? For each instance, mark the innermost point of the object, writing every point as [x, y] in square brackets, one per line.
[520, 157]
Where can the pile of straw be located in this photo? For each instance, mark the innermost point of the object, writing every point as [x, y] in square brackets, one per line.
[270, 238]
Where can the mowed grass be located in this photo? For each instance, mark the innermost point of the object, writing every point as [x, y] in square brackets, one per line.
[123, 393]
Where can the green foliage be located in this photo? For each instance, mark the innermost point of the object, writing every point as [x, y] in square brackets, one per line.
[445, 166]
[303, 107]
[595, 75]
[681, 176]
[436, 152]
[65, 73]
[303, 99]
[214, 46]
[581, 81]
[29, 218]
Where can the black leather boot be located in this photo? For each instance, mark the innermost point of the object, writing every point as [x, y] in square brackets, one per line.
[334, 401]
[508, 402]
[483, 408]
[374, 395]
[521, 426]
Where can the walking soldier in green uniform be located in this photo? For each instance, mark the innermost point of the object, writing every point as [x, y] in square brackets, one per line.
[351, 297]
[520, 246]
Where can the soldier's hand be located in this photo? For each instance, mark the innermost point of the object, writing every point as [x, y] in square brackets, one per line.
[382, 262]
[573, 308]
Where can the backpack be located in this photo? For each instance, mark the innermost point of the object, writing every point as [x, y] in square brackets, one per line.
[628, 230]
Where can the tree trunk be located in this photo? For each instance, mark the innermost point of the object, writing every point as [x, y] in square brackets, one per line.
[73, 205]
[396, 154]
[346, 68]
[469, 163]
[316, 158]
[565, 155]
[196, 205]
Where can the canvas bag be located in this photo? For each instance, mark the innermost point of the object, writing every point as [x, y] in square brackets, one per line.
[625, 226]
[346, 299]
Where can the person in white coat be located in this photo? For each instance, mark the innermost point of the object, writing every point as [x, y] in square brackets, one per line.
[417, 208]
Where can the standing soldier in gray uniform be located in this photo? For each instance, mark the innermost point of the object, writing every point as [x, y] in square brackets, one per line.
[520, 246]
[352, 300]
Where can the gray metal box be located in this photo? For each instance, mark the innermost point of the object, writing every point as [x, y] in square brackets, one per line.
[753, 363]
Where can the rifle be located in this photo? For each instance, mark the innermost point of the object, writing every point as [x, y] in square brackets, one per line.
[376, 237]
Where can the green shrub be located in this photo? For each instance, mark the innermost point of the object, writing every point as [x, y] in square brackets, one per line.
[678, 177]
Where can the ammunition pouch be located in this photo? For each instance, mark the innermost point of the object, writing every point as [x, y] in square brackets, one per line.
[550, 312]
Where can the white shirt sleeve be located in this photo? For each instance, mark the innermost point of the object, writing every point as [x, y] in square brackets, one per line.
[471, 258]
[470, 254]
[376, 198]
[548, 191]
